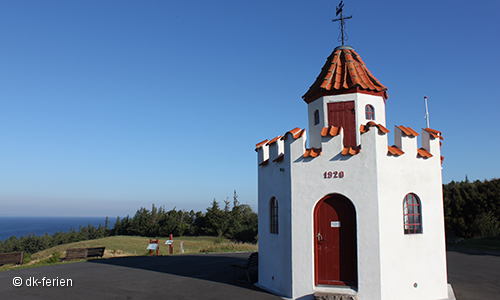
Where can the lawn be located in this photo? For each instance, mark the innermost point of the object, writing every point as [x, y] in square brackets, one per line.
[135, 245]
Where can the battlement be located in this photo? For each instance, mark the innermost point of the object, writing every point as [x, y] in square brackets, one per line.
[405, 143]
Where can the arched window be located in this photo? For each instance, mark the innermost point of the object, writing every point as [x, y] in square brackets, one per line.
[412, 214]
[316, 117]
[369, 112]
[273, 205]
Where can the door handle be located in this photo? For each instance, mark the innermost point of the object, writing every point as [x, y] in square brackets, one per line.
[320, 238]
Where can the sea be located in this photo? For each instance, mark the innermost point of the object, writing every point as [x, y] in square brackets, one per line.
[21, 226]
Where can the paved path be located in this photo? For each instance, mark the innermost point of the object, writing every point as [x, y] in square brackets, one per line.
[474, 276]
[204, 276]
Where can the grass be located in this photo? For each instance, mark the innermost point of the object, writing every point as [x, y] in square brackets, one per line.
[489, 244]
[135, 245]
[27, 266]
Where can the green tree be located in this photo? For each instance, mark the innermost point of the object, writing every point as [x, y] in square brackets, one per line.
[472, 209]
[217, 222]
[141, 222]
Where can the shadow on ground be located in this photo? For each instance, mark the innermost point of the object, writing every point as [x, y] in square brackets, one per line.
[472, 251]
[213, 267]
[201, 276]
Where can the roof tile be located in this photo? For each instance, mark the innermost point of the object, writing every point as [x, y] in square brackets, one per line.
[300, 134]
[344, 70]
[394, 150]
[434, 133]
[274, 140]
[408, 131]
[258, 145]
[351, 150]
[423, 153]
[312, 152]
[366, 128]
[296, 133]
[331, 131]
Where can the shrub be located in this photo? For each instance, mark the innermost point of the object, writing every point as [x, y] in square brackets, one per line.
[26, 258]
[54, 258]
[485, 225]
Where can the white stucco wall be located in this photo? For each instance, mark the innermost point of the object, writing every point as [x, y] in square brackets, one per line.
[412, 258]
[359, 184]
[274, 249]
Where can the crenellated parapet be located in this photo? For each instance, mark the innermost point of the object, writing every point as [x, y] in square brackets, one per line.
[405, 143]
[274, 149]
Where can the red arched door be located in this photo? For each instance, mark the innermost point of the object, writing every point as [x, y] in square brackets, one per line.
[335, 248]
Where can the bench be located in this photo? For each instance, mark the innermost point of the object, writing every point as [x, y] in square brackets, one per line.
[76, 253]
[11, 258]
[95, 252]
[83, 253]
[252, 261]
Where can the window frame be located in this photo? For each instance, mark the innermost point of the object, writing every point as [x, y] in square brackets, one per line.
[369, 112]
[412, 214]
[316, 117]
[273, 216]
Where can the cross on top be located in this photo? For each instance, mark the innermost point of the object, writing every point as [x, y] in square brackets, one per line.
[342, 22]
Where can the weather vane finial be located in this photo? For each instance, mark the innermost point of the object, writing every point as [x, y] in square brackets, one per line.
[343, 36]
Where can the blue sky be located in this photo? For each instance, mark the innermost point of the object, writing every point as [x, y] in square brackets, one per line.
[108, 106]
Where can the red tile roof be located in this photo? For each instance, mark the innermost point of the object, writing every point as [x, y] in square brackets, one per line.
[344, 72]
[434, 133]
[366, 128]
[331, 131]
[394, 150]
[351, 150]
[437, 135]
[312, 152]
[261, 144]
[424, 153]
[275, 139]
[296, 132]
[408, 131]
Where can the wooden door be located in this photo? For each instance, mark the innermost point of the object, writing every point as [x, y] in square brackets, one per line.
[335, 242]
[343, 114]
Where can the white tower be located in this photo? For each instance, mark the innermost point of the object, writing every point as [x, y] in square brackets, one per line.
[351, 215]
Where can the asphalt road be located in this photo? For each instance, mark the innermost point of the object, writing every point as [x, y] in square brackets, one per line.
[474, 276]
[203, 276]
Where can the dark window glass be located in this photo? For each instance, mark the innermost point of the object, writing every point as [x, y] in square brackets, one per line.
[411, 214]
[370, 112]
[274, 215]
[316, 117]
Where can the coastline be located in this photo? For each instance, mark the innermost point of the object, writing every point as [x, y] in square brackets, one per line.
[39, 226]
